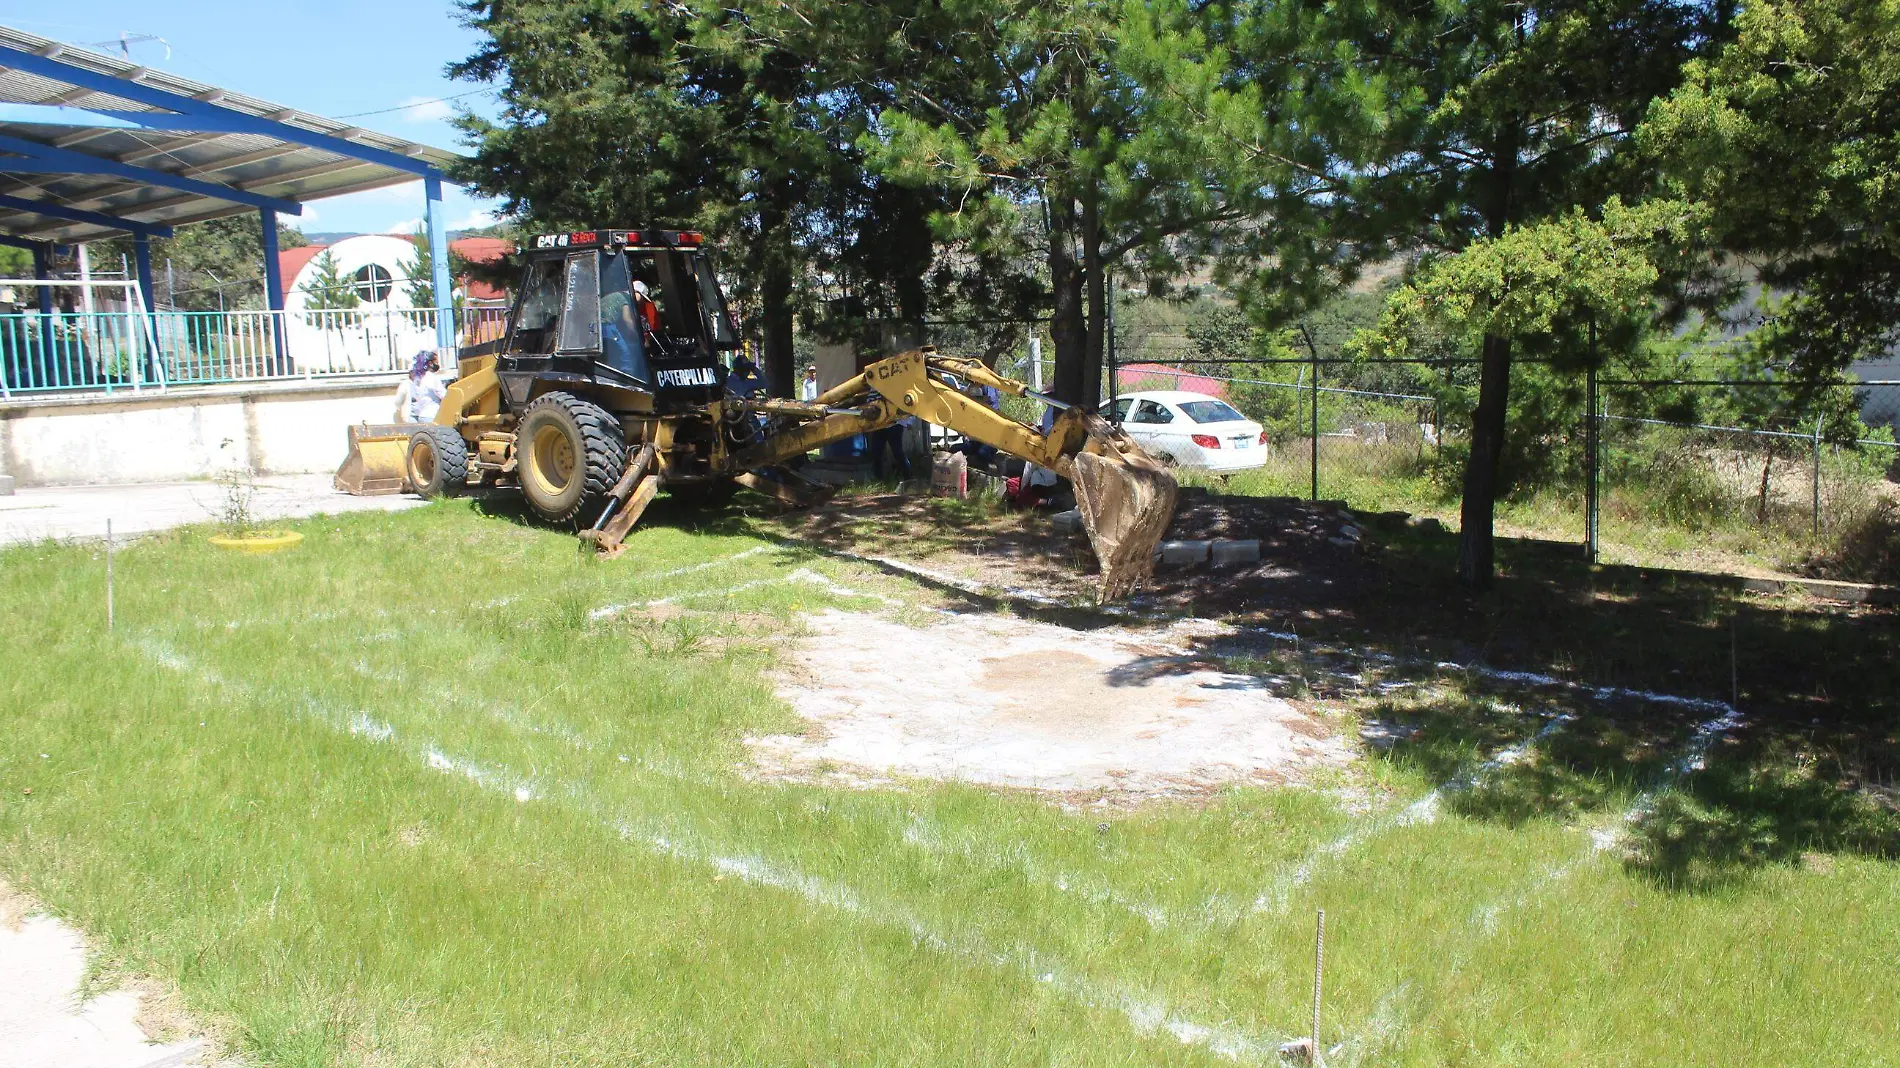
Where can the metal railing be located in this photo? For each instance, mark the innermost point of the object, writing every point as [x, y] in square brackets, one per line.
[120, 349]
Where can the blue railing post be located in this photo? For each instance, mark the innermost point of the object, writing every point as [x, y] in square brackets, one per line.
[274, 292]
[142, 249]
[43, 270]
[439, 264]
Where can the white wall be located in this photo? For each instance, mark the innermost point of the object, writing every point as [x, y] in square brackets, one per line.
[280, 428]
[374, 336]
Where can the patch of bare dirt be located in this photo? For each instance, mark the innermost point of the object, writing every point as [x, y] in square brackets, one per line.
[1011, 702]
[1308, 554]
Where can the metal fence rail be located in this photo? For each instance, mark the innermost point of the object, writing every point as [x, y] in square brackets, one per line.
[1598, 463]
[112, 350]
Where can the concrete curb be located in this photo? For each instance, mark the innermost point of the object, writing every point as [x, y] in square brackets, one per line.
[1826, 590]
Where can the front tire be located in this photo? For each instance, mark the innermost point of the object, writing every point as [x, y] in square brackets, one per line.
[568, 454]
[437, 462]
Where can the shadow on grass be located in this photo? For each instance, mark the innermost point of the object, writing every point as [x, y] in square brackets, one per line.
[1818, 685]
[1747, 811]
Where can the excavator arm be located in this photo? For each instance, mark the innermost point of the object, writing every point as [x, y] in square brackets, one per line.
[1126, 497]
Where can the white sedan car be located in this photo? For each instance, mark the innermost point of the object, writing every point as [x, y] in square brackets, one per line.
[1190, 429]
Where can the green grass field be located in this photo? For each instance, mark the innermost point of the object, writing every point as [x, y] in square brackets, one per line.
[404, 796]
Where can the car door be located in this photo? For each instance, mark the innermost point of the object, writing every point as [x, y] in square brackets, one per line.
[1148, 423]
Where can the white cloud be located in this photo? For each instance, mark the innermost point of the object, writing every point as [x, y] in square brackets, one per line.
[407, 226]
[475, 220]
[425, 109]
[406, 193]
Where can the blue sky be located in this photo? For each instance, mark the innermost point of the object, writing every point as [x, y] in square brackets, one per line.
[335, 58]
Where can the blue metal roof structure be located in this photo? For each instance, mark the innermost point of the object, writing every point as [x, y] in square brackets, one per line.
[93, 146]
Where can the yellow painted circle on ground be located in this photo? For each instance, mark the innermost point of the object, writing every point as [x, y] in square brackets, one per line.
[264, 541]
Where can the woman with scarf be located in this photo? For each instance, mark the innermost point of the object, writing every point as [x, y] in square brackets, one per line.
[420, 395]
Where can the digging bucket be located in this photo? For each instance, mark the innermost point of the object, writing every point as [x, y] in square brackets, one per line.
[1127, 501]
[377, 462]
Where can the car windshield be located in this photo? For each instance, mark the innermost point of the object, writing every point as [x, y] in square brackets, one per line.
[1210, 411]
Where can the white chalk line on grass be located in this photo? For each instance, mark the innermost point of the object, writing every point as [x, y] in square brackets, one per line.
[516, 720]
[799, 576]
[1486, 920]
[1276, 897]
[1145, 1014]
[492, 603]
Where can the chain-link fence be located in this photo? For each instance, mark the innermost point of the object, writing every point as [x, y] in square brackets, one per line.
[1703, 474]
[1716, 497]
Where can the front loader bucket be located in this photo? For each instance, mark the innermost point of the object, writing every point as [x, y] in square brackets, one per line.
[1127, 501]
[378, 460]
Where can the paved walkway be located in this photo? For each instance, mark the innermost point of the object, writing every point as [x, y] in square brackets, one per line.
[80, 512]
[44, 1023]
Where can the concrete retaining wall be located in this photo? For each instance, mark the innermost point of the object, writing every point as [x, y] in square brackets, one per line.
[277, 428]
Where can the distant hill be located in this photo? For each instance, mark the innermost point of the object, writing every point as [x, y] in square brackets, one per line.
[326, 237]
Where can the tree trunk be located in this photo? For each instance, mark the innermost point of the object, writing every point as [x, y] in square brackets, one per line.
[1475, 550]
[1476, 553]
[1065, 322]
[775, 299]
[1097, 303]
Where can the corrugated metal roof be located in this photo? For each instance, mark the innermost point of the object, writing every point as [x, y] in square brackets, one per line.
[247, 162]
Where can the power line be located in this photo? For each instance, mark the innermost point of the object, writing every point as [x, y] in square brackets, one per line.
[412, 104]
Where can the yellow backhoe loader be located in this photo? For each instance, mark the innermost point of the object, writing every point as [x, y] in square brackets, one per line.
[607, 387]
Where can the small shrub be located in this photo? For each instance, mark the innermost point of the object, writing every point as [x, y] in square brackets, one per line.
[238, 490]
[1865, 549]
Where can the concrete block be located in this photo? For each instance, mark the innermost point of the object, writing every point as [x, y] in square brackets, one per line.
[1184, 553]
[1069, 522]
[6, 485]
[1227, 553]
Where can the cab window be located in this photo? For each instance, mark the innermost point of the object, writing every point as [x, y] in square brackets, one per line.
[580, 313]
[540, 306]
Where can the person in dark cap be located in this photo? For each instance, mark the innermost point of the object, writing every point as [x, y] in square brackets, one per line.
[745, 379]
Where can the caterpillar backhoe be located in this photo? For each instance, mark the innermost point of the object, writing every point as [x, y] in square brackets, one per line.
[607, 387]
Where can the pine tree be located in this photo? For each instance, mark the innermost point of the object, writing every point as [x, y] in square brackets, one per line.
[1105, 133]
[1791, 136]
[328, 289]
[1438, 126]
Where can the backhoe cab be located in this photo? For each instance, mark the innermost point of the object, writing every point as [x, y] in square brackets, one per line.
[609, 385]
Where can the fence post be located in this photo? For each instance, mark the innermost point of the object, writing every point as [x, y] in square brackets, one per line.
[1816, 479]
[1591, 430]
[1110, 346]
[1313, 350]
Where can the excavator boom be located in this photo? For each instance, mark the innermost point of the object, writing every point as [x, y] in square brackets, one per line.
[609, 385]
[1125, 496]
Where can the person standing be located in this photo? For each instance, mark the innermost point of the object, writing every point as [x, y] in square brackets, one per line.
[808, 386]
[891, 438]
[745, 380]
[426, 388]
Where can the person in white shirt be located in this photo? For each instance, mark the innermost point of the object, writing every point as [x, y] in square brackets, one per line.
[808, 385]
[421, 393]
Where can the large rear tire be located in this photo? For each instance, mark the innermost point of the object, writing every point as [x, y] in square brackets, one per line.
[568, 454]
[437, 463]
